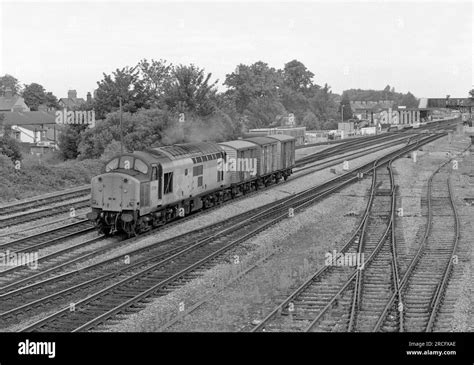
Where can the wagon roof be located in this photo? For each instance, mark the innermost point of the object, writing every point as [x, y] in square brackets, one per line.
[261, 140]
[239, 144]
[185, 150]
[282, 137]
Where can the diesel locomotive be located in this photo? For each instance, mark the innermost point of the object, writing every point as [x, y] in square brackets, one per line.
[145, 189]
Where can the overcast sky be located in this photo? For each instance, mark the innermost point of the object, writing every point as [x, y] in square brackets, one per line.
[423, 47]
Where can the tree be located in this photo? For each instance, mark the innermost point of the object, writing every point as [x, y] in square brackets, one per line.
[34, 95]
[471, 94]
[297, 89]
[51, 101]
[388, 93]
[140, 130]
[330, 125]
[409, 100]
[297, 77]
[191, 91]
[156, 75]
[323, 104]
[124, 84]
[311, 121]
[249, 83]
[69, 139]
[9, 82]
[264, 112]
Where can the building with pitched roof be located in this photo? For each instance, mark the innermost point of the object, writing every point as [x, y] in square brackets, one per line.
[10, 102]
[369, 110]
[30, 127]
[72, 101]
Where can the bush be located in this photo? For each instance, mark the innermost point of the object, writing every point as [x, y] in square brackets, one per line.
[112, 149]
[10, 147]
[36, 176]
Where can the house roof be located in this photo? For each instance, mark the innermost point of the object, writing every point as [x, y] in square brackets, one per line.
[33, 127]
[72, 102]
[8, 103]
[28, 118]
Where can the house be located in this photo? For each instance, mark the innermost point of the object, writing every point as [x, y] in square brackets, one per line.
[72, 101]
[370, 110]
[11, 103]
[30, 127]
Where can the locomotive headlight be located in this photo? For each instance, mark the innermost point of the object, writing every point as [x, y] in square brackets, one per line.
[124, 190]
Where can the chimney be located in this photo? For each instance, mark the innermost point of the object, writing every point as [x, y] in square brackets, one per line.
[72, 94]
[8, 93]
[89, 97]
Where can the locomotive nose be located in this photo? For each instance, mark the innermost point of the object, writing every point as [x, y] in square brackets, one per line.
[114, 192]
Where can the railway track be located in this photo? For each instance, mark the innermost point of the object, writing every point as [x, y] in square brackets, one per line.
[101, 272]
[376, 297]
[37, 241]
[305, 162]
[430, 126]
[324, 164]
[44, 212]
[174, 270]
[332, 299]
[31, 203]
[422, 288]
[349, 147]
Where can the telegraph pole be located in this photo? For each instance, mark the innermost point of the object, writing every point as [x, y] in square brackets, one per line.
[121, 126]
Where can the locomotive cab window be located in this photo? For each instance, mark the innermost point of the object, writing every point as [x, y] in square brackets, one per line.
[126, 162]
[154, 173]
[168, 183]
[112, 165]
[140, 166]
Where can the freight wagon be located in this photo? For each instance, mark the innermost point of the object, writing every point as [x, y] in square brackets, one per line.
[298, 133]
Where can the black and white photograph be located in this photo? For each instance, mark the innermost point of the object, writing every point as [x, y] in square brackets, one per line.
[289, 177]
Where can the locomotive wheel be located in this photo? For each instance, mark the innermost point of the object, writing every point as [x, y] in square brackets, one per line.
[105, 230]
[130, 229]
